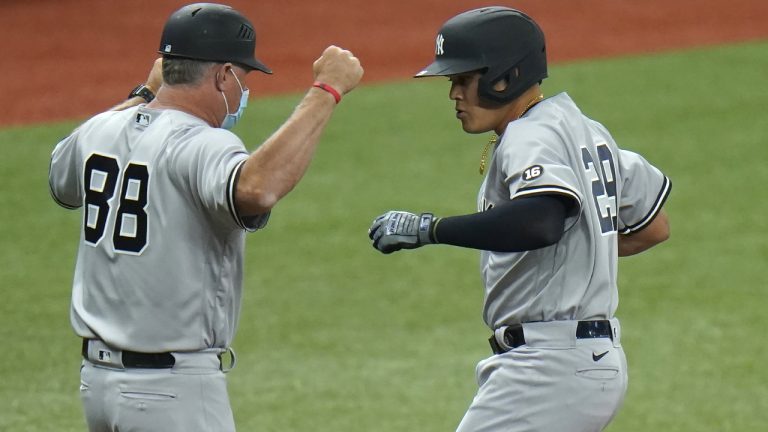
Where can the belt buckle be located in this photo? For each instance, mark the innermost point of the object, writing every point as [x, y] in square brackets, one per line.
[514, 336]
[232, 360]
[507, 338]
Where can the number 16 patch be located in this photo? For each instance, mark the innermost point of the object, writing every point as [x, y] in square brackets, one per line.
[533, 172]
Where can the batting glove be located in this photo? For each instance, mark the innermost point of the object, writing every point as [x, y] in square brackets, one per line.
[397, 230]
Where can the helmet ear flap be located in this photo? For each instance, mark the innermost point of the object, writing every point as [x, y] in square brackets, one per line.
[487, 82]
[530, 70]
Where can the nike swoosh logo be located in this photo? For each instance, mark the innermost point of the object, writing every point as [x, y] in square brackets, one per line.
[597, 357]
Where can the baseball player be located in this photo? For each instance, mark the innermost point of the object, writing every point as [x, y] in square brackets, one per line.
[167, 194]
[559, 204]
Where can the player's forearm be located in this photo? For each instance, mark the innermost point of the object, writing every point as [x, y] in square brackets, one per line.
[275, 168]
[656, 232]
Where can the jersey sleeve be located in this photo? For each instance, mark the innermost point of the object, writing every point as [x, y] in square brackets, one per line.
[249, 223]
[64, 173]
[532, 163]
[644, 190]
[211, 163]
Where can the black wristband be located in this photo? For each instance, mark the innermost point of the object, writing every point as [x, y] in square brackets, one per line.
[143, 92]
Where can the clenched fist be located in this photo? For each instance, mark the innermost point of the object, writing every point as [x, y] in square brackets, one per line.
[338, 68]
[397, 230]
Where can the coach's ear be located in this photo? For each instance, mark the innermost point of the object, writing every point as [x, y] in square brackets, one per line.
[222, 75]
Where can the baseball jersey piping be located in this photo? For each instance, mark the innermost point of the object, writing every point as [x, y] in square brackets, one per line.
[53, 195]
[542, 190]
[231, 187]
[666, 188]
[558, 190]
[61, 203]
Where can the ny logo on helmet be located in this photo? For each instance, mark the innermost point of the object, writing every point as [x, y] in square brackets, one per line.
[439, 44]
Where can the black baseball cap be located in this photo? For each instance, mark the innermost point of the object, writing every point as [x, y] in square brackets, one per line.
[211, 32]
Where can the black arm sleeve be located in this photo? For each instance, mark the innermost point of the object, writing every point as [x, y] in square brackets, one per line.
[518, 225]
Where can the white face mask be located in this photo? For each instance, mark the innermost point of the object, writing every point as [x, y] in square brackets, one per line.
[230, 120]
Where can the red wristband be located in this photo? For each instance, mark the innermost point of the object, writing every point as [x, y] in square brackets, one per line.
[329, 89]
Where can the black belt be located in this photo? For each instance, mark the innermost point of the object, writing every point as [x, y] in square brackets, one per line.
[132, 359]
[514, 336]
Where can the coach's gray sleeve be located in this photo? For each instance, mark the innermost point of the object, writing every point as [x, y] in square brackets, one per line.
[64, 174]
[211, 163]
[249, 223]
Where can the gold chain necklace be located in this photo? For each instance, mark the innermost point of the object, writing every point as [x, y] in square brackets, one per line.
[495, 138]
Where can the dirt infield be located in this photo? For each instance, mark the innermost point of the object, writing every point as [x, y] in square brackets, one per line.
[65, 59]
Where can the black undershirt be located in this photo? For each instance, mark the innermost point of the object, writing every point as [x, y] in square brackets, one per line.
[521, 224]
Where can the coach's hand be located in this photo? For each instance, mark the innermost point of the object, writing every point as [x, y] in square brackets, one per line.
[155, 78]
[397, 230]
[338, 68]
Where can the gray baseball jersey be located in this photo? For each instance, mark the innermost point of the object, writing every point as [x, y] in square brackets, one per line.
[555, 149]
[159, 266]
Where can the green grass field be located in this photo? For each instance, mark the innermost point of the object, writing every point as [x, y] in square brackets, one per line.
[337, 337]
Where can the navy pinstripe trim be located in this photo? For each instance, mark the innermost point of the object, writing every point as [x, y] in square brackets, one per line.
[231, 187]
[60, 202]
[55, 198]
[666, 188]
[63, 204]
[548, 189]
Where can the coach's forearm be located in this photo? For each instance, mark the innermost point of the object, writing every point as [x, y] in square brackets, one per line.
[153, 83]
[128, 103]
[278, 165]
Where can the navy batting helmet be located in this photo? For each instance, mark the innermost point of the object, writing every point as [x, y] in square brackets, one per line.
[211, 32]
[502, 43]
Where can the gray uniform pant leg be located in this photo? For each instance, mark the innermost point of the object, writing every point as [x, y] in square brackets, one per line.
[549, 389]
[190, 397]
